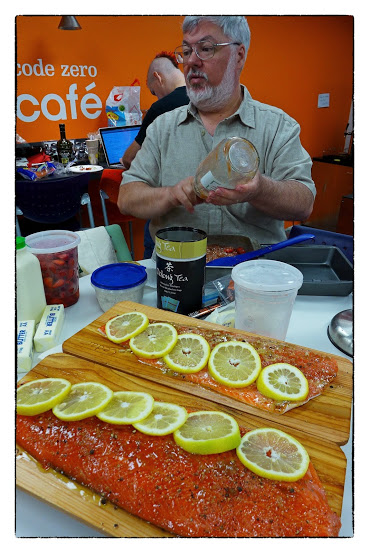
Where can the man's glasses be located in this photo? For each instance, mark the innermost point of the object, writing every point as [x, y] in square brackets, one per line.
[204, 50]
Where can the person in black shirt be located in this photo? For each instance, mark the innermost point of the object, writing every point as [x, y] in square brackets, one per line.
[166, 81]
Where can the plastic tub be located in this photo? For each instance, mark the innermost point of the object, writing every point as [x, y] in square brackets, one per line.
[118, 282]
[57, 252]
[265, 292]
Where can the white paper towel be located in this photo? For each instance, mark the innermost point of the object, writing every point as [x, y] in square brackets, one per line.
[94, 250]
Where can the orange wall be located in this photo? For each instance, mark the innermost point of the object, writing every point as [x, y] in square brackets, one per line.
[291, 60]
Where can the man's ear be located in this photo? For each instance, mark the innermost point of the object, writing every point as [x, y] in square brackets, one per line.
[158, 77]
[241, 56]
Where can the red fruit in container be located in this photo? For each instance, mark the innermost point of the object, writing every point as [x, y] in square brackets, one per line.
[48, 282]
[57, 252]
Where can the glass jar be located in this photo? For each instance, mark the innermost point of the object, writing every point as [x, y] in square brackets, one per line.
[233, 161]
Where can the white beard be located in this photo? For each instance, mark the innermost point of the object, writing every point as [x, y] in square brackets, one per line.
[213, 97]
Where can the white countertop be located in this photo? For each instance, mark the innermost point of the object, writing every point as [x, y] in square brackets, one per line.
[308, 327]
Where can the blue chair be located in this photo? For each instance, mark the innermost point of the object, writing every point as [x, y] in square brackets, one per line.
[343, 242]
[52, 200]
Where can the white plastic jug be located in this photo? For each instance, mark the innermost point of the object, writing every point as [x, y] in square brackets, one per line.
[31, 300]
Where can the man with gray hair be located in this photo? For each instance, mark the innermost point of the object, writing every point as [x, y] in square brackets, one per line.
[159, 183]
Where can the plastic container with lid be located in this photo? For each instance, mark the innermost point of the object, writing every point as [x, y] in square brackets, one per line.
[265, 292]
[118, 282]
[233, 161]
[31, 300]
[57, 252]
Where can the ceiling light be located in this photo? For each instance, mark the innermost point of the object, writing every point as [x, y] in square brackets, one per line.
[69, 23]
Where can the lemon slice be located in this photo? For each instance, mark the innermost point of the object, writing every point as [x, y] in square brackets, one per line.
[235, 364]
[282, 382]
[41, 395]
[127, 408]
[84, 400]
[164, 419]
[157, 340]
[273, 454]
[123, 327]
[207, 432]
[189, 355]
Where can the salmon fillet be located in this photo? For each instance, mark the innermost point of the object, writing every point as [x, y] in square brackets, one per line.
[188, 495]
[318, 369]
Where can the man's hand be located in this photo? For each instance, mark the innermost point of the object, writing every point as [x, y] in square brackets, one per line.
[141, 200]
[242, 193]
[183, 194]
[287, 200]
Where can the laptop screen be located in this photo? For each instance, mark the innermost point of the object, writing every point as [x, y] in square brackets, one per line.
[116, 140]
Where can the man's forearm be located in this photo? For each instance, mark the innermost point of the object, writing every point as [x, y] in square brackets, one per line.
[142, 201]
[130, 154]
[285, 200]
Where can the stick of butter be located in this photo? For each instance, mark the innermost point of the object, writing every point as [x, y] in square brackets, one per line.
[26, 330]
[49, 329]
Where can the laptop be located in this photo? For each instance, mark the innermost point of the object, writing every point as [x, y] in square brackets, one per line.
[115, 141]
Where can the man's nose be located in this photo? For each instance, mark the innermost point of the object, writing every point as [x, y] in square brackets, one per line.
[194, 59]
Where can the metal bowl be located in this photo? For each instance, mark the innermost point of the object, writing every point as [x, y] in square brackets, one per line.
[340, 331]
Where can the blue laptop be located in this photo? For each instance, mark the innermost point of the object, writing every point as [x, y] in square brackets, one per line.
[115, 141]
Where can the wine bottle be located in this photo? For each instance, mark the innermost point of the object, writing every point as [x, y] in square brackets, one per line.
[64, 147]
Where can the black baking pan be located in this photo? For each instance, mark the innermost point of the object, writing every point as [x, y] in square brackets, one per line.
[234, 241]
[255, 253]
[326, 271]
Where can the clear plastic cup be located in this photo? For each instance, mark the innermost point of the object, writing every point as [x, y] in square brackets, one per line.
[57, 252]
[265, 292]
[92, 151]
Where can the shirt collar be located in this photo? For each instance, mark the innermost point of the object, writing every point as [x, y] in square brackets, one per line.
[190, 111]
[245, 112]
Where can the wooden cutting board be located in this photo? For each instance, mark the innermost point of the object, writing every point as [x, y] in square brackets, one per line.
[327, 416]
[80, 502]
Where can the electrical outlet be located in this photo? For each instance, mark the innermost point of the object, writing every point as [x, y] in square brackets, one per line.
[323, 100]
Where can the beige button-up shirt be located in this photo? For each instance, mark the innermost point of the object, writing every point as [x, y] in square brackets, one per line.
[176, 142]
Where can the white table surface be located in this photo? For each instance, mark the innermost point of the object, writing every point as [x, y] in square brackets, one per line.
[308, 327]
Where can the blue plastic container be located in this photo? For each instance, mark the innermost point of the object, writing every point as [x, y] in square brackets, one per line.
[118, 282]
